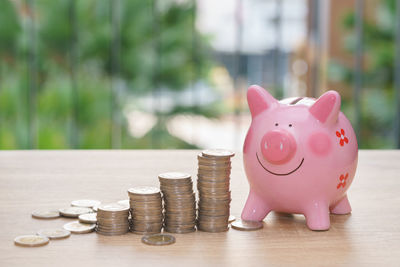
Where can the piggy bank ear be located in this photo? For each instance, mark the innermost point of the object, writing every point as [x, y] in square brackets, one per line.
[326, 109]
[259, 100]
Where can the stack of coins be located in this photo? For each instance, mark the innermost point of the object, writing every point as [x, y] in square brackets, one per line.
[179, 202]
[213, 185]
[112, 219]
[146, 210]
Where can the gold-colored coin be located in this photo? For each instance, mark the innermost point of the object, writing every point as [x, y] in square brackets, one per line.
[74, 212]
[85, 203]
[31, 241]
[88, 218]
[54, 233]
[45, 214]
[246, 225]
[158, 239]
[79, 228]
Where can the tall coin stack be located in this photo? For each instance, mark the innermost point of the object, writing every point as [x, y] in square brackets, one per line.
[146, 210]
[112, 219]
[213, 185]
[179, 202]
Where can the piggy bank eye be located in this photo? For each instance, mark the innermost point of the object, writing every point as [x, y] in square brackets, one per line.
[276, 124]
[290, 125]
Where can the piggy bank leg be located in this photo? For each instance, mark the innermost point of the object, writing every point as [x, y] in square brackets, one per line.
[317, 217]
[341, 207]
[255, 209]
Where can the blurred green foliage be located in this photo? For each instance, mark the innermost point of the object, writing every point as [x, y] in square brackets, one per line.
[377, 96]
[158, 50]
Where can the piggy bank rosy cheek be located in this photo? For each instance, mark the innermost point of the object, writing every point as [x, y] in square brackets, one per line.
[320, 143]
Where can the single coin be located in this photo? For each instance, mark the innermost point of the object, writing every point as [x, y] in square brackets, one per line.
[179, 230]
[217, 153]
[46, 214]
[158, 239]
[246, 225]
[213, 160]
[113, 207]
[74, 212]
[214, 169]
[88, 218]
[213, 229]
[144, 232]
[79, 228]
[31, 240]
[144, 190]
[124, 202]
[54, 233]
[112, 233]
[174, 175]
[85, 203]
[231, 218]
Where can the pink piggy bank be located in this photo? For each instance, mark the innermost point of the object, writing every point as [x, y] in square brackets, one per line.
[300, 156]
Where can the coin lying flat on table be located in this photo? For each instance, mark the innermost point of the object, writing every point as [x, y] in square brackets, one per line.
[74, 212]
[85, 203]
[88, 218]
[246, 225]
[79, 228]
[46, 214]
[158, 239]
[31, 240]
[54, 233]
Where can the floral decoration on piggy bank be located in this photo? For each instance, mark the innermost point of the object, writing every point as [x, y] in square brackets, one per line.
[300, 156]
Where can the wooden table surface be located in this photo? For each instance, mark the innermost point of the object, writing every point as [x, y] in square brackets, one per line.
[52, 179]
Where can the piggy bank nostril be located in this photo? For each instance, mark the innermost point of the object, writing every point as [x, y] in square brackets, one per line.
[278, 146]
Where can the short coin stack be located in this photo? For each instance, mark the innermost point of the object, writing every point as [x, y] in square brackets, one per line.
[146, 210]
[112, 219]
[213, 185]
[179, 202]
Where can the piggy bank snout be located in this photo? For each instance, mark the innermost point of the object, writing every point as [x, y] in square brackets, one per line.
[278, 146]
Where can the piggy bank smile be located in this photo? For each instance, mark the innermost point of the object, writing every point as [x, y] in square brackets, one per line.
[280, 174]
[278, 147]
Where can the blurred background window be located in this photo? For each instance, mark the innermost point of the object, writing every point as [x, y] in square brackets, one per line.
[155, 74]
